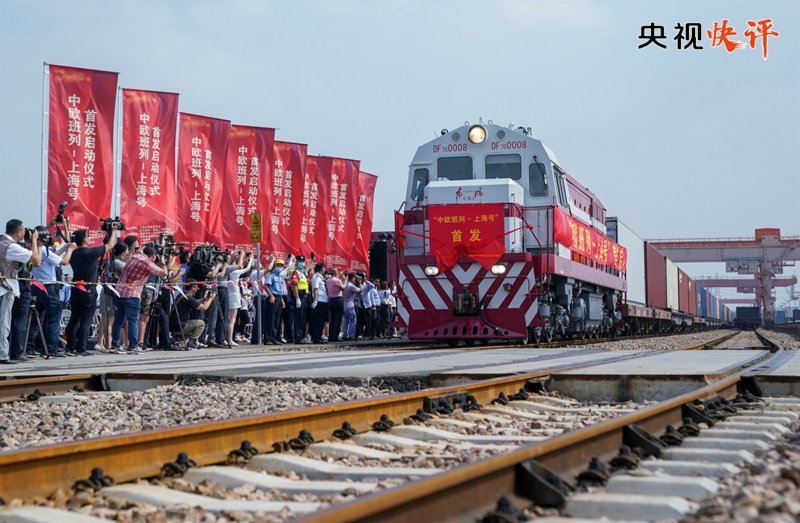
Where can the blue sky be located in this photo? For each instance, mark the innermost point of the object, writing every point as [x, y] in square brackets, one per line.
[677, 143]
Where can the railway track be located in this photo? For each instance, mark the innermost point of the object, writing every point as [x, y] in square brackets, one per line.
[13, 389]
[40, 471]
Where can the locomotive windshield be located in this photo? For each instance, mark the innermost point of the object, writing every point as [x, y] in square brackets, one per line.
[454, 168]
[504, 166]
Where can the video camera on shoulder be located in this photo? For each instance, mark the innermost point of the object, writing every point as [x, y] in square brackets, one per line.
[166, 245]
[108, 223]
[207, 256]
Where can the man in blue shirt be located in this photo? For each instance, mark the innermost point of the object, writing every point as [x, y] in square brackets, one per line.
[275, 289]
[48, 302]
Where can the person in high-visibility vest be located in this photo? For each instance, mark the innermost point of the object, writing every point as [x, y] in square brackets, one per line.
[298, 283]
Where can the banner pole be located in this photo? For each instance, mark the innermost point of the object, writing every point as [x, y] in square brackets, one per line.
[117, 176]
[260, 294]
[43, 151]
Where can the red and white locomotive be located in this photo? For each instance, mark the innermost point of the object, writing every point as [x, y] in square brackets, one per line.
[496, 241]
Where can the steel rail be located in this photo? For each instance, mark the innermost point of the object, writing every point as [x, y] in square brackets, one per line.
[12, 389]
[41, 470]
[468, 492]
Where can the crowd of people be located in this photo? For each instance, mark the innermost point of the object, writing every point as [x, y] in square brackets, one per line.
[124, 298]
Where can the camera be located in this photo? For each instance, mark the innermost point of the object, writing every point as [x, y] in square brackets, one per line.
[28, 236]
[166, 246]
[108, 223]
[60, 215]
[207, 256]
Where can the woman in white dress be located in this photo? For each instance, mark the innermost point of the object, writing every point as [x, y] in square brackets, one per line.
[234, 295]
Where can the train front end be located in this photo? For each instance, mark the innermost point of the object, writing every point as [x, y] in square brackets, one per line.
[464, 271]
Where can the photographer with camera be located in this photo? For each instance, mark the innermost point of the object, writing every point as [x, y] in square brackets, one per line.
[12, 256]
[47, 301]
[186, 320]
[206, 264]
[84, 262]
[157, 299]
[138, 269]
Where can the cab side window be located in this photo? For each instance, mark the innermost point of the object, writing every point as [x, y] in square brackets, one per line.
[537, 179]
[562, 192]
[420, 181]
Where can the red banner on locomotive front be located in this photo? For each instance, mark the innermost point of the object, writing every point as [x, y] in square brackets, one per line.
[474, 230]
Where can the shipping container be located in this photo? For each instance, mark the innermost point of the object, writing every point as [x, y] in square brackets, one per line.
[655, 277]
[702, 302]
[623, 235]
[685, 298]
[698, 297]
[692, 295]
[796, 315]
[672, 286]
[780, 317]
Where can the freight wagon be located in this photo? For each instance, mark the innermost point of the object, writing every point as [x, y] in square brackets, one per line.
[748, 317]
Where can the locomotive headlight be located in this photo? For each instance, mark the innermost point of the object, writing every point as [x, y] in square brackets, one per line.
[477, 134]
[431, 270]
[498, 269]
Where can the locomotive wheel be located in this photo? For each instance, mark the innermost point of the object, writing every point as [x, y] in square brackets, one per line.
[452, 343]
[548, 335]
[537, 336]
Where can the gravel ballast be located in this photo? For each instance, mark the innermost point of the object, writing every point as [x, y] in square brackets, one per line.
[787, 341]
[676, 341]
[76, 416]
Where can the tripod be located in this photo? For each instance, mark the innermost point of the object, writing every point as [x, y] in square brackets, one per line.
[33, 313]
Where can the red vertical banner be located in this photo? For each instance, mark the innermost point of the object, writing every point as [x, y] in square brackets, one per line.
[363, 218]
[312, 223]
[247, 182]
[80, 154]
[340, 176]
[147, 179]
[287, 184]
[202, 149]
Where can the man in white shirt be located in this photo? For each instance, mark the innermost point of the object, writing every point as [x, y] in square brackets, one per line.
[319, 305]
[12, 254]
